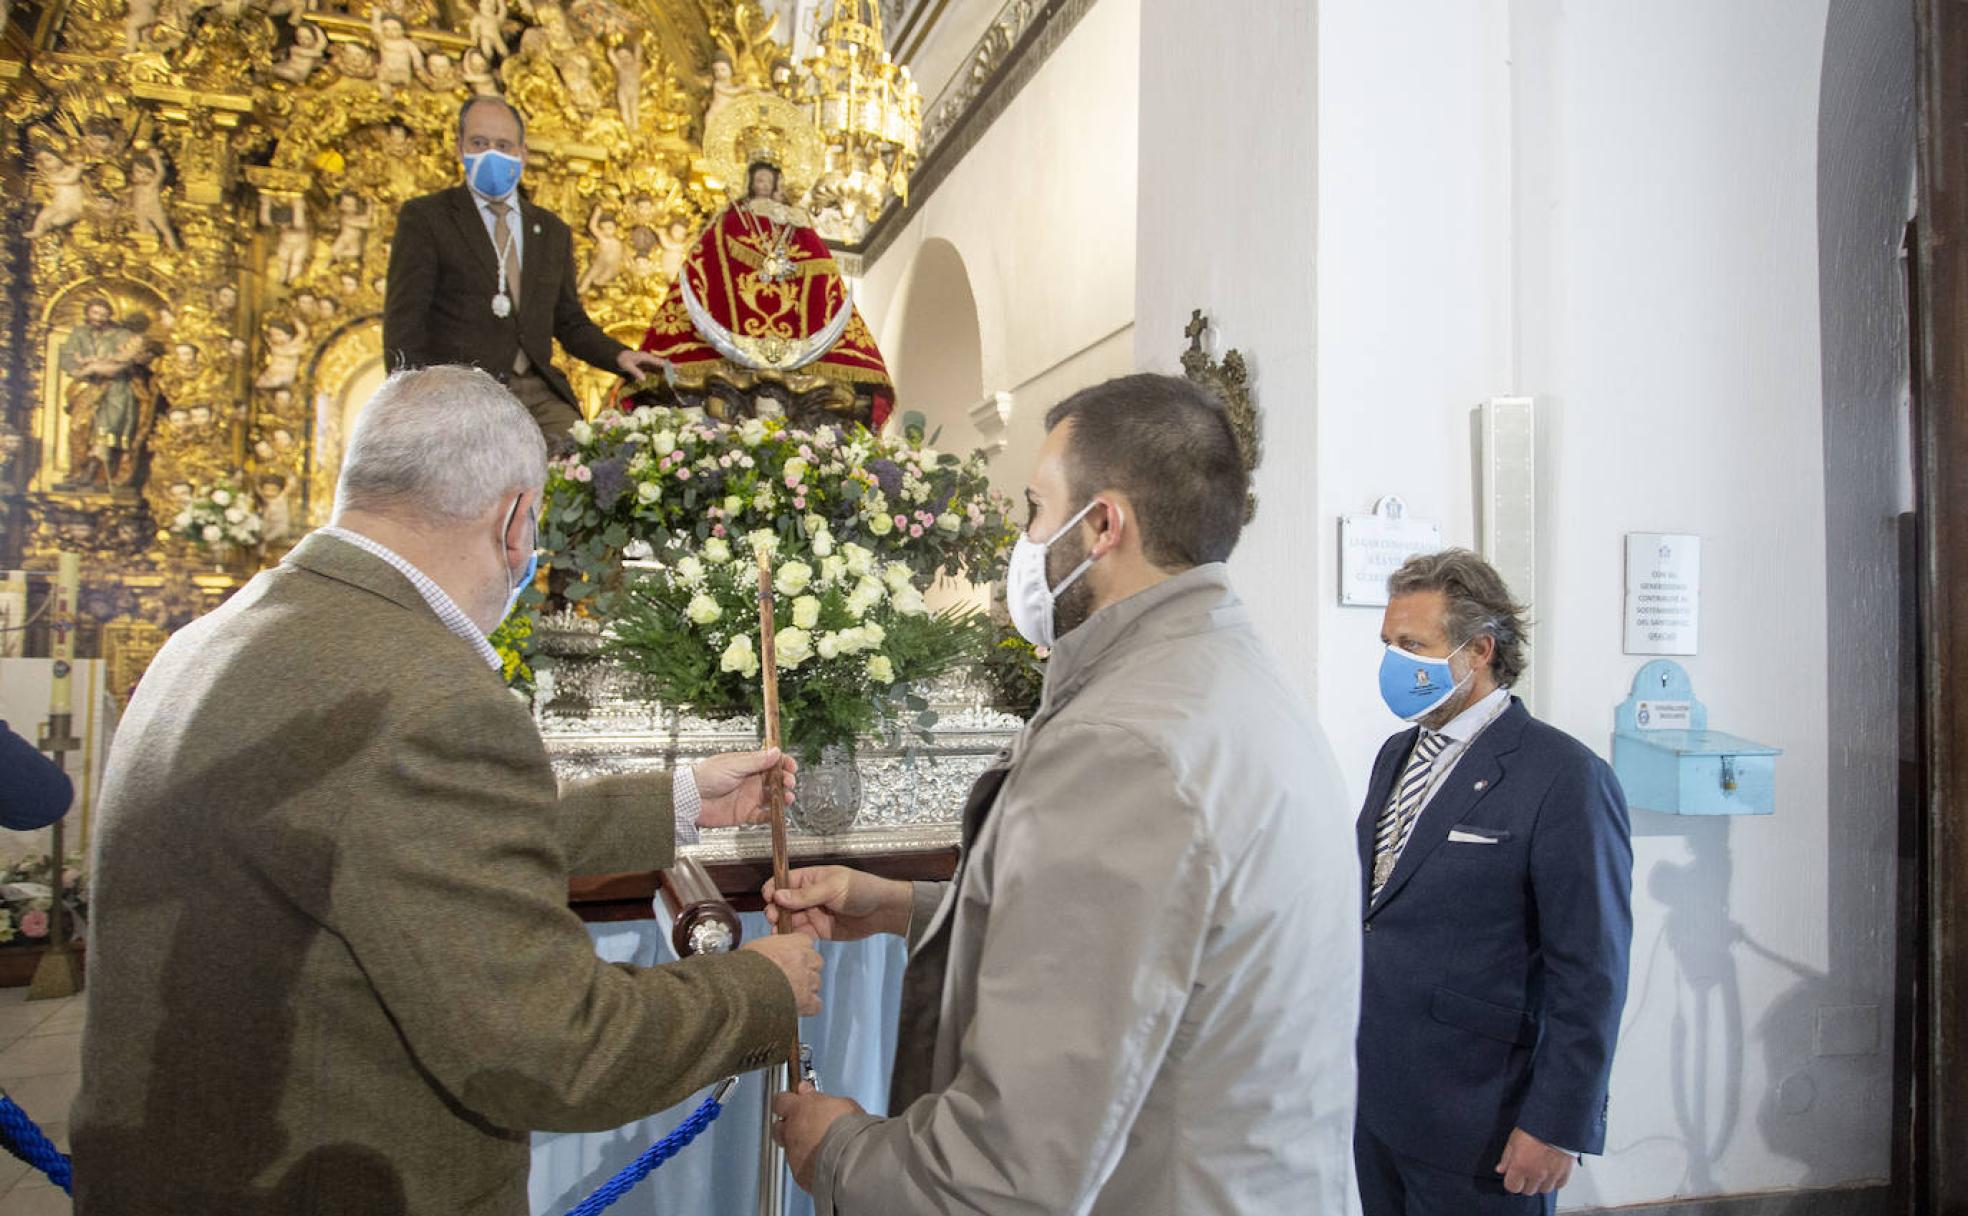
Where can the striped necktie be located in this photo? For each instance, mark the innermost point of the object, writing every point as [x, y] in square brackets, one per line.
[1397, 821]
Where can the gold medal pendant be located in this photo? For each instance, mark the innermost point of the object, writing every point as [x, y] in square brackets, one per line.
[502, 305]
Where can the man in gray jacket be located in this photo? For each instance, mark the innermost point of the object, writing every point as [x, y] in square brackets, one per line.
[1138, 993]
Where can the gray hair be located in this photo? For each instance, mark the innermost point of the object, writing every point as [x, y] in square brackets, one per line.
[445, 442]
[1479, 603]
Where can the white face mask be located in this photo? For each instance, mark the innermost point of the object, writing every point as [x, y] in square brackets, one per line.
[1027, 593]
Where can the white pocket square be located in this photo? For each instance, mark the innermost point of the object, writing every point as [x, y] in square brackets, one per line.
[1460, 837]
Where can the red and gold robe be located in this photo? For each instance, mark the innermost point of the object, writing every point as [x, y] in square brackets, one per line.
[759, 300]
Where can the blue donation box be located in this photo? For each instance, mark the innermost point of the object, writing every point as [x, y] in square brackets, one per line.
[1668, 760]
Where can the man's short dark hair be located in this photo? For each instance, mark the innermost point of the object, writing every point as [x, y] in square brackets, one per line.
[1166, 443]
[482, 99]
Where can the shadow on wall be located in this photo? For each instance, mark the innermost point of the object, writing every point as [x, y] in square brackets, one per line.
[1813, 1039]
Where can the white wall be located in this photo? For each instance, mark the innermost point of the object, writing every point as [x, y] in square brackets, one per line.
[1613, 209]
[1229, 224]
[1041, 214]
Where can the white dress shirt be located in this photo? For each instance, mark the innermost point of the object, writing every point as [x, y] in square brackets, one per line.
[1460, 730]
[515, 221]
[686, 803]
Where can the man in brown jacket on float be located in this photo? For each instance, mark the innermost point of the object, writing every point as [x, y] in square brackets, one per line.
[332, 968]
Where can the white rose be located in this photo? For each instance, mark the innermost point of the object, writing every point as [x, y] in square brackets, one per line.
[649, 491]
[764, 540]
[662, 443]
[806, 612]
[815, 524]
[643, 415]
[235, 515]
[716, 550]
[829, 645]
[860, 562]
[949, 521]
[222, 497]
[880, 670]
[873, 635]
[582, 432]
[794, 577]
[739, 657]
[866, 594]
[690, 570]
[212, 534]
[833, 569]
[752, 431]
[793, 646]
[796, 469]
[733, 505]
[183, 520]
[823, 545]
[851, 641]
[881, 525]
[897, 576]
[703, 609]
[910, 602]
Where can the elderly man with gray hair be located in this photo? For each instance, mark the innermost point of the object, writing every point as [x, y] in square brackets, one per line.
[1497, 867]
[332, 968]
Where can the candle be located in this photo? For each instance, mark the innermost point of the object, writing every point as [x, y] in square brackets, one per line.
[68, 575]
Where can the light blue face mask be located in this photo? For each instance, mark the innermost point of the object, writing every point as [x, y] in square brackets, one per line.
[492, 173]
[1413, 684]
[532, 565]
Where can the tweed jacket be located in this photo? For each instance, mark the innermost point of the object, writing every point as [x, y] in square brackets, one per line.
[332, 969]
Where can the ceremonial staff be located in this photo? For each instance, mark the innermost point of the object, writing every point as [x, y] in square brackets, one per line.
[774, 800]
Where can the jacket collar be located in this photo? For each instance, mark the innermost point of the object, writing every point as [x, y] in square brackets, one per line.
[345, 563]
[1199, 600]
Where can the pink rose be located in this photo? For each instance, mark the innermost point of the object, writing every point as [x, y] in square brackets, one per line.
[806, 452]
[901, 521]
[683, 474]
[799, 503]
[677, 456]
[34, 923]
[581, 472]
[792, 481]
[717, 530]
[915, 531]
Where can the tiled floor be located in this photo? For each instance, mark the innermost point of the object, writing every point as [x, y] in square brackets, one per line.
[40, 1068]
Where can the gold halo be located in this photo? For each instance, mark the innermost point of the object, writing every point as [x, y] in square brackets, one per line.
[763, 126]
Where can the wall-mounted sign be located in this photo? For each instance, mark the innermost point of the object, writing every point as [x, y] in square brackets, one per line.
[1371, 547]
[1663, 593]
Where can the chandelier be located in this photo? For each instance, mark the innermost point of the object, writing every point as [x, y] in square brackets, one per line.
[868, 111]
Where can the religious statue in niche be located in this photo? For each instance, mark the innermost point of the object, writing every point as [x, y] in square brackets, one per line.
[309, 48]
[487, 29]
[759, 318]
[111, 401]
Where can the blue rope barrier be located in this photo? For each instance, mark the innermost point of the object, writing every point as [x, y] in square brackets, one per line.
[656, 1154]
[20, 1136]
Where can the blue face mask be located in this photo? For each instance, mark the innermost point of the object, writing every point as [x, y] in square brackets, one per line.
[532, 566]
[1412, 684]
[492, 173]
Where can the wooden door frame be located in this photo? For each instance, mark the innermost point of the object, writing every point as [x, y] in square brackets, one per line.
[1941, 477]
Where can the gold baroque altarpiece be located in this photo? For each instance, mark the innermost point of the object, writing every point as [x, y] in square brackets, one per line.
[200, 196]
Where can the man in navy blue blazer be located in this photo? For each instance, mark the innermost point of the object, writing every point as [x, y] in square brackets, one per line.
[1498, 874]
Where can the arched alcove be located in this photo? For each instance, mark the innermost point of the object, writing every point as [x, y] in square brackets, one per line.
[937, 357]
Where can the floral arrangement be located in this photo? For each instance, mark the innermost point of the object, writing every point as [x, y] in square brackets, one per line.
[27, 895]
[857, 527]
[218, 515]
[512, 641]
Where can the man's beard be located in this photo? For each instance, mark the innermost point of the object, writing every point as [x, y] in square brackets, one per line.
[1074, 605]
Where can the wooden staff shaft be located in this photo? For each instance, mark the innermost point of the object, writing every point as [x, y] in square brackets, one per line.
[774, 800]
